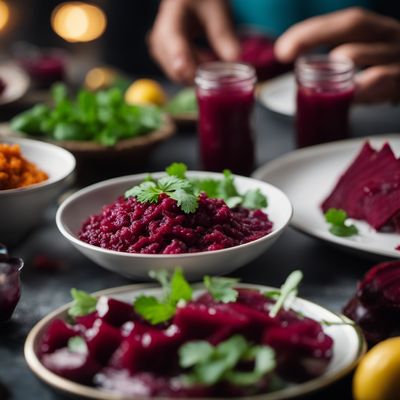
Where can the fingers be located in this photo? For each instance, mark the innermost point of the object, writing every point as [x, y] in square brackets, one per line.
[169, 44]
[364, 54]
[219, 29]
[378, 84]
[349, 25]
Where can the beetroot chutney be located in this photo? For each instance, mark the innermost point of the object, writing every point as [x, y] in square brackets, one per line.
[163, 228]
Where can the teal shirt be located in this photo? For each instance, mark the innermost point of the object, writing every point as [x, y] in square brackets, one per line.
[273, 17]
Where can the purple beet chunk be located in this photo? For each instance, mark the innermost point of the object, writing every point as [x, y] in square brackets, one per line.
[303, 349]
[56, 336]
[102, 340]
[145, 384]
[114, 312]
[376, 304]
[142, 352]
[198, 321]
[77, 367]
[86, 321]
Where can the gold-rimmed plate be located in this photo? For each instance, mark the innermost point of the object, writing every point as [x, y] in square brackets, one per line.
[349, 347]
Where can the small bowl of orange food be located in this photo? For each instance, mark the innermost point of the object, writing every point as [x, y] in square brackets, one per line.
[32, 174]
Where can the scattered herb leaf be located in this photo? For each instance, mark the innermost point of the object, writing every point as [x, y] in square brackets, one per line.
[77, 344]
[221, 289]
[287, 292]
[83, 304]
[183, 102]
[177, 169]
[176, 289]
[337, 219]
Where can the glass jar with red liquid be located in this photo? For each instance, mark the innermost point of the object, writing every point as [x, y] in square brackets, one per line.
[225, 95]
[325, 90]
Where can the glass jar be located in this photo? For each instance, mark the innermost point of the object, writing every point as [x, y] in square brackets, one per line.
[325, 90]
[225, 95]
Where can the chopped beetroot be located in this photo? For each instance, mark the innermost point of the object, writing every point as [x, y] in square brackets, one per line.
[56, 336]
[370, 189]
[113, 311]
[77, 367]
[163, 228]
[137, 359]
[376, 304]
[102, 340]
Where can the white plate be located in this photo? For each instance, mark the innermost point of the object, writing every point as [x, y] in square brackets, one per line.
[308, 175]
[16, 81]
[77, 208]
[349, 346]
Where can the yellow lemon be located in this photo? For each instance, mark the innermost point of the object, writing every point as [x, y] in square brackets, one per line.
[145, 91]
[377, 377]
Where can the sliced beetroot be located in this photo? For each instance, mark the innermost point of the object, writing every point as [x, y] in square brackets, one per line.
[370, 189]
[376, 304]
[197, 321]
[102, 340]
[56, 336]
[113, 311]
[78, 367]
[86, 321]
[142, 353]
[253, 299]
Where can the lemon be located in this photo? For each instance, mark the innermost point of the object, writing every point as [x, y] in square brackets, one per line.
[377, 377]
[145, 91]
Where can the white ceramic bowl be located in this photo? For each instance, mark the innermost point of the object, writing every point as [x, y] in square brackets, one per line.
[21, 209]
[77, 208]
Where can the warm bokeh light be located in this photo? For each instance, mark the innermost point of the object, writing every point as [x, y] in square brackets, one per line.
[78, 22]
[100, 78]
[4, 14]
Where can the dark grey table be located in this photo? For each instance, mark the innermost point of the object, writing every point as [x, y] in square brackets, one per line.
[330, 274]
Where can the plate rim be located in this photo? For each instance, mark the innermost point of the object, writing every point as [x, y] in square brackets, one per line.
[303, 153]
[67, 386]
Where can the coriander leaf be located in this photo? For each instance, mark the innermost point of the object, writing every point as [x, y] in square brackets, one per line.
[264, 362]
[59, 93]
[146, 192]
[192, 353]
[254, 199]
[180, 288]
[83, 304]
[177, 169]
[288, 290]
[272, 294]
[161, 276]
[233, 202]
[153, 310]
[172, 183]
[183, 102]
[77, 344]
[208, 186]
[337, 219]
[221, 289]
[227, 186]
[186, 201]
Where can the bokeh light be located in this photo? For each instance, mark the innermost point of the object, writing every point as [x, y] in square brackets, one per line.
[78, 22]
[100, 78]
[4, 14]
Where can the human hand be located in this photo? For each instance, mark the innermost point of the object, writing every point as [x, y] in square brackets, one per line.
[176, 26]
[369, 39]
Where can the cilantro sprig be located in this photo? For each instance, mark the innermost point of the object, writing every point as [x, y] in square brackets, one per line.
[221, 289]
[175, 289]
[287, 292]
[210, 364]
[186, 191]
[83, 303]
[339, 226]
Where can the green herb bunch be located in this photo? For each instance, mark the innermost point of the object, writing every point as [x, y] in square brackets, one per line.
[103, 117]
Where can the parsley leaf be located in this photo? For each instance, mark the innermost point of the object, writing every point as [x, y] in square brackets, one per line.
[146, 192]
[221, 289]
[187, 201]
[337, 219]
[154, 310]
[77, 344]
[211, 364]
[83, 304]
[176, 289]
[254, 199]
[177, 169]
[287, 292]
